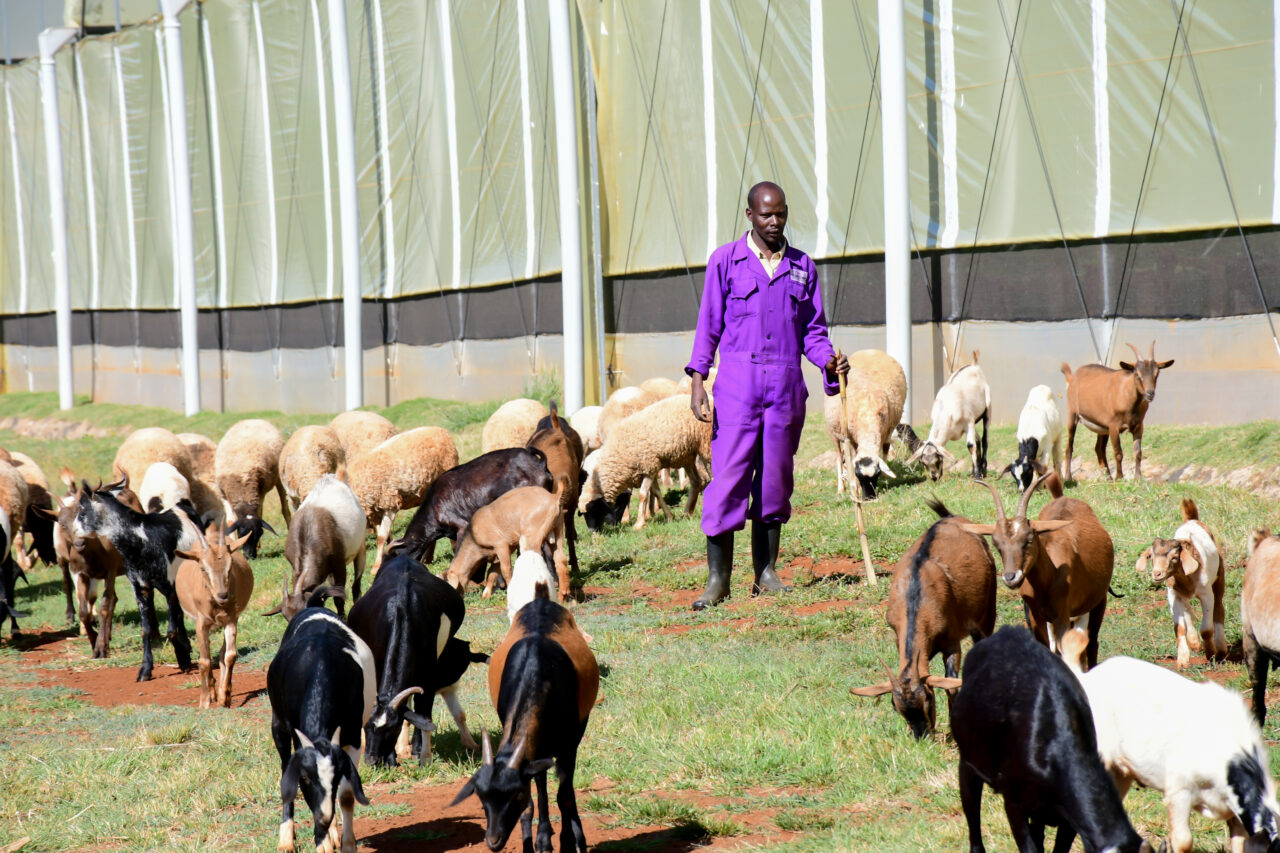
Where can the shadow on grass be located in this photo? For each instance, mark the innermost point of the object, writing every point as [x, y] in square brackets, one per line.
[26, 642]
[431, 836]
[836, 579]
[43, 588]
[684, 836]
[607, 567]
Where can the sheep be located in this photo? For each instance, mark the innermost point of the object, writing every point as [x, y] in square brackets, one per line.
[664, 435]
[1191, 565]
[38, 496]
[360, 432]
[327, 533]
[962, 401]
[214, 585]
[162, 487]
[1039, 432]
[310, 453]
[529, 513]
[8, 577]
[875, 392]
[1062, 574]
[562, 448]
[599, 512]
[943, 590]
[1110, 402]
[247, 466]
[1260, 615]
[661, 387]
[143, 447]
[622, 404]
[527, 572]
[511, 425]
[396, 474]
[14, 497]
[202, 450]
[586, 422]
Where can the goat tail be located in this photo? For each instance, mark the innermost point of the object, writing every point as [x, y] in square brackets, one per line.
[938, 507]
[1066, 371]
[1189, 510]
[1114, 594]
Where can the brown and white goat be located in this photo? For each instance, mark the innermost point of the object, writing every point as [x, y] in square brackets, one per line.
[529, 513]
[1060, 563]
[1110, 402]
[214, 585]
[1260, 615]
[943, 590]
[1190, 564]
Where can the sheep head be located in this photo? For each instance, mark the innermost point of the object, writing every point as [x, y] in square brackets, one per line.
[868, 469]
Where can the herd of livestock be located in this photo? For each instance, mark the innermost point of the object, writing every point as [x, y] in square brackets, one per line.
[1036, 717]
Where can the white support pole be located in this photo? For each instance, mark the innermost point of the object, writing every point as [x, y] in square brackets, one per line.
[184, 257]
[570, 206]
[86, 143]
[323, 103]
[897, 200]
[51, 40]
[215, 153]
[349, 215]
[273, 236]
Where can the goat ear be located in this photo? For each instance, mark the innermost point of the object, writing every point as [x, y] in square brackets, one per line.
[1049, 526]
[1163, 364]
[1141, 565]
[67, 478]
[187, 555]
[943, 682]
[979, 529]
[1124, 365]
[1190, 559]
[421, 722]
[872, 690]
[275, 611]
[542, 765]
[914, 456]
[479, 657]
[268, 526]
[467, 790]
[947, 453]
[356, 788]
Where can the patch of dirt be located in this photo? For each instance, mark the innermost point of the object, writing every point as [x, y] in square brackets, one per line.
[432, 827]
[56, 428]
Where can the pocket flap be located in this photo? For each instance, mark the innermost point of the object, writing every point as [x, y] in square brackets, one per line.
[741, 288]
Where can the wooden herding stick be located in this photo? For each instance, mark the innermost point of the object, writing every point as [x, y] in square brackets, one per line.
[855, 488]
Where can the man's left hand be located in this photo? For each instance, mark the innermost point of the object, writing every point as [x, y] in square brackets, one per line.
[838, 366]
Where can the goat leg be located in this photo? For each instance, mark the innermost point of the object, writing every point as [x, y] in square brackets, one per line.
[206, 664]
[85, 611]
[1137, 451]
[526, 826]
[106, 617]
[543, 842]
[284, 504]
[1100, 450]
[971, 804]
[146, 620]
[450, 696]
[1114, 434]
[177, 630]
[1256, 661]
[1072, 421]
[66, 592]
[229, 655]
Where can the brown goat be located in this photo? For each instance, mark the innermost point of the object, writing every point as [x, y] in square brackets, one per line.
[1110, 402]
[1260, 615]
[530, 513]
[214, 585]
[943, 590]
[1061, 564]
[562, 446]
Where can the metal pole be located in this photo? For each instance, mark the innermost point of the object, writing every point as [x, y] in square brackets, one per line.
[570, 206]
[184, 257]
[52, 40]
[345, 131]
[897, 200]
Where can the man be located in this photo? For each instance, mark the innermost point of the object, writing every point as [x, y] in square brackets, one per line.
[761, 305]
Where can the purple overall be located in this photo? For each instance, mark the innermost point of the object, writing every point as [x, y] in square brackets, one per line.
[762, 326]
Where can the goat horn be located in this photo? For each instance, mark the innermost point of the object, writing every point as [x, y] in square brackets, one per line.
[1153, 350]
[337, 733]
[1026, 496]
[995, 494]
[303, 739]
[486, 756]
[400, 697]
[1137, 355]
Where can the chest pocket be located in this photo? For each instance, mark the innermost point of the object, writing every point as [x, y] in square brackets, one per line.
[796, 297]
[744, 300]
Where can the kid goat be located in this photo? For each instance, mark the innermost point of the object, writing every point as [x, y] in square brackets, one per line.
[963, 401]
[214, 584]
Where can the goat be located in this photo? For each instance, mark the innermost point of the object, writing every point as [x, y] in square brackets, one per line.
[528, 513]
[962, 401]
[943, 590]
[562, 447]
[527, 572]
[457, 493]
[1260, 615]
[322, 686]
[543, 680]
[1039, 434]
[1061, 564]
[214, 585]
[1195, 743]
[327, 533]
[147, 543]
[406, 618]
[1110, 402]
[1191, 565]
[1023, 726]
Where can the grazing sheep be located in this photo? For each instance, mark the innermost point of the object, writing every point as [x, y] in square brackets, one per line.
[586, 422]
[360, 432]
[396, 475]
[147, 446]
[202, 451]
[875, 392]
[162, 487]
[310, 453]
[1039, 432]
[962, 401]
[512, 425]
[14, 497]
[664, 435]
[661, 387]
[247, 465]
[621, 405]
[598, 512]
[39, 526]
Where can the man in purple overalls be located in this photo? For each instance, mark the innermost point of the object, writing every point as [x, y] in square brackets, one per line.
[762, 306]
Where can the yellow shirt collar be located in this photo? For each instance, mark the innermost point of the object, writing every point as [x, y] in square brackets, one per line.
[770, 261]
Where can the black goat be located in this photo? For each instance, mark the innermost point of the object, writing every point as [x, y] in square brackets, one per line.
[457, 493]
[543, 680]
[146, 543]
[321, 684]
[1023, 726]
[407, 617]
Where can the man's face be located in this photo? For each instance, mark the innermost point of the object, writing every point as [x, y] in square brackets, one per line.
[769, 216]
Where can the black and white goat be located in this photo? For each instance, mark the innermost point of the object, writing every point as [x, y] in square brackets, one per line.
[1039, 436]
[146, 543]
[322, 685]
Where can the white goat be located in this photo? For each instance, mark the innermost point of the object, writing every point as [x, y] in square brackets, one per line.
[527, 572]
[162, 487]
[961, 402]
[1039, 432]
[1194, 742]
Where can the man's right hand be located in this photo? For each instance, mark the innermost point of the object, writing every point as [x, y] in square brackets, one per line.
[698, 400]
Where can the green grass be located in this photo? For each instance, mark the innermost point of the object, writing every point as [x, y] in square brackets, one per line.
[711, 724]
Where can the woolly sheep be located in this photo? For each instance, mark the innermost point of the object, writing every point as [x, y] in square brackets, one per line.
[309, 454]
[144, 447]
[162, 487]
[396, 475]
[202, 450]
[686, 383]
[247, 467]
[661, 386]
[621, 405]
[360, 432]
[38, 495]
[586, 421]
[663, 435]
[875, 392]
[14, 496]
[512, 425]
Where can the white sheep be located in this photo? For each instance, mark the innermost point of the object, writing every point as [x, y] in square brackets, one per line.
[586, 422]
[202, 451]
[512, 425]
[14, 496]
[663, 435]
[396, 474]
[661, 387]
[247, 467]
[962, 401]
[162, 487]
[360, 432]
[875, 392]
[310, 453]
[528, 570]
[1039, 433]
[1194, 742]
[147, 446]
[621, 405]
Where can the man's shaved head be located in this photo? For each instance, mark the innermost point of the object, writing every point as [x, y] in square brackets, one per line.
[753, 194]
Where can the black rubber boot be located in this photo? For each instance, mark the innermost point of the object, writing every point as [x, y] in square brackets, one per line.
[719, 567]
[764, 553]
